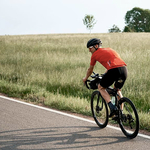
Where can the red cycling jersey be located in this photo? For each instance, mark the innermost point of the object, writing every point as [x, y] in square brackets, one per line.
[108, 58]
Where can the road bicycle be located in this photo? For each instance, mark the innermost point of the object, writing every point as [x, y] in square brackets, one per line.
[126, 115]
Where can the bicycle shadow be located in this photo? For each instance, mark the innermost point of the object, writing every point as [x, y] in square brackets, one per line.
[57, 138]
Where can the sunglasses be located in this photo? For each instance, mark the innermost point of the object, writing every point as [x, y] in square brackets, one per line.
[91, 47]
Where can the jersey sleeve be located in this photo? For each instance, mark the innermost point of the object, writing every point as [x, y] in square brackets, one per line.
[93, 61]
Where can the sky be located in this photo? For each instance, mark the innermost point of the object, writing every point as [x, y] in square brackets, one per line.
[21, 17]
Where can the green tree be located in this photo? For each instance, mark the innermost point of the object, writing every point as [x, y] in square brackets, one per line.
[114, 29]
[138, 20]
[127, 29]
[89, 22]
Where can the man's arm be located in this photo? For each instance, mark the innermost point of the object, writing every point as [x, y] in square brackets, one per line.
[89, 72]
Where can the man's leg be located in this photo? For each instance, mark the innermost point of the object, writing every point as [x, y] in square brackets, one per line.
[120, 94]
[119, 97]
[107, 98]
[104, 93]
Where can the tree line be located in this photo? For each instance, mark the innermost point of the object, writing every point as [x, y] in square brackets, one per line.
[136, 20]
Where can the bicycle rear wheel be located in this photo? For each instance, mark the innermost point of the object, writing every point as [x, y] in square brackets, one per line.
[99, 109]
[129, 120]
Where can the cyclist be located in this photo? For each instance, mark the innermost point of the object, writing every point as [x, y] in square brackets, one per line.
[116, 70]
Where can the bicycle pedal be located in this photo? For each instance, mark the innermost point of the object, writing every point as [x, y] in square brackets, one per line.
[115, 118]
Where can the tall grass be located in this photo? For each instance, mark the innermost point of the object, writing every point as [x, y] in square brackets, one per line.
[49, 69]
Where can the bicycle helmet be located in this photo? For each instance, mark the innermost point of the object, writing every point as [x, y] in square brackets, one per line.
[93, 42]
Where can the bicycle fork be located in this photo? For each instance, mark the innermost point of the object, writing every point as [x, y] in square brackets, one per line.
[97, 106]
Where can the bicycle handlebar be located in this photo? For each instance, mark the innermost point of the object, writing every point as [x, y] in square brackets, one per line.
[87, 84]
[96, 75]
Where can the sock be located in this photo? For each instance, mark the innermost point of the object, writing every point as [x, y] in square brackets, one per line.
[111, 106]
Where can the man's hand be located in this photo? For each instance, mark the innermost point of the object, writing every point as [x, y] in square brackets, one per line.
[84, 79]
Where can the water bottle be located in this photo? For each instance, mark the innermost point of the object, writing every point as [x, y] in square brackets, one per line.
[113, 100]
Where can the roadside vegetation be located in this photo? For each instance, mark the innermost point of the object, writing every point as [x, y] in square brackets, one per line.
[48, 69]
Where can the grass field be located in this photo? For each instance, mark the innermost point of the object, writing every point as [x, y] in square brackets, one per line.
[48, 69]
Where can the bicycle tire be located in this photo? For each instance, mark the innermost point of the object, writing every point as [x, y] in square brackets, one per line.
[128, 118]
[99, 109]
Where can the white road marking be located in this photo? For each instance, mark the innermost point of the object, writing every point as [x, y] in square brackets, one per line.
[65, 114]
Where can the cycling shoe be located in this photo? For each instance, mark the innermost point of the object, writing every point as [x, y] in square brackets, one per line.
[113, 112]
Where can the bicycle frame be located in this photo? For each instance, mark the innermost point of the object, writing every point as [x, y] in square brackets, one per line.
[113, 92]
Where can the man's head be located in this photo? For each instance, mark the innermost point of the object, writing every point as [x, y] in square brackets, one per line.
[93, 44]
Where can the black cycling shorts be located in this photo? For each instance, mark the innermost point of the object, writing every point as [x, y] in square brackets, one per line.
[116, 76]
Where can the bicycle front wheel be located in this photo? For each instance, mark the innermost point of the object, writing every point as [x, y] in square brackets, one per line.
[129, 120]
[99, 109]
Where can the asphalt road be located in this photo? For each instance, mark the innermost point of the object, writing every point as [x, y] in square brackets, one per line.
[25, 126]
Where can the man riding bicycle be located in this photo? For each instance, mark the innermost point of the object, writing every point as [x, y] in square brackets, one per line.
[116, 70]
